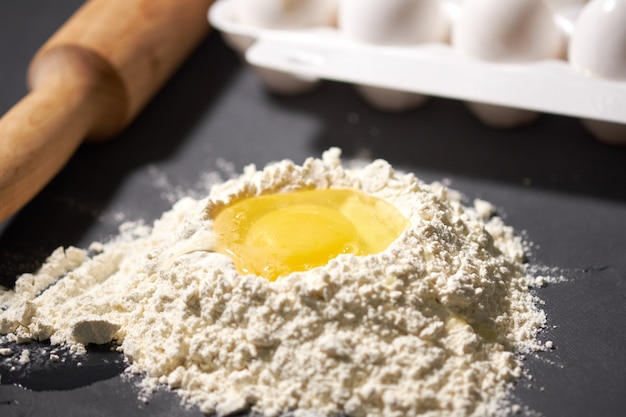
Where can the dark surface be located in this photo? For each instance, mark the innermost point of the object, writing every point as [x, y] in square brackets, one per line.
[552, 181]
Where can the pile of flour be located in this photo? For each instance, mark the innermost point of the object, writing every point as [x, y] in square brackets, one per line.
[432, 326]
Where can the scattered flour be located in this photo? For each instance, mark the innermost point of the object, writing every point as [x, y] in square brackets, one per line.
[24, 357]
[433, 326]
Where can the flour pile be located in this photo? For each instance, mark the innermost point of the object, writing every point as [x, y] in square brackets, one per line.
[431, 326]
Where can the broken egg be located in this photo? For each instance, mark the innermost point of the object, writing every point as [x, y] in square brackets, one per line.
[274, 235]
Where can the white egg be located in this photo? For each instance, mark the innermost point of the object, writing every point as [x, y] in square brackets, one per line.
[280, 15]
[277, 15]
[286, 84]
[598, 49]
[556, 4]
[506, 31]
[392, 22]
[286, 14]
[388, 100]
[565, 14]
[501, 117]
[598, 43]
[607, 132]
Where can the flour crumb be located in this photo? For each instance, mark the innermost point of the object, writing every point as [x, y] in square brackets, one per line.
[24, 357]
[93, 330]
[436, 325]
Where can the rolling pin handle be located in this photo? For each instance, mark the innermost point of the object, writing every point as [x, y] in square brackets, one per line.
[75, 95]
[89, 80]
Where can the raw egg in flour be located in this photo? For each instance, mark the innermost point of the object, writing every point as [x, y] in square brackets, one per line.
[274, 235]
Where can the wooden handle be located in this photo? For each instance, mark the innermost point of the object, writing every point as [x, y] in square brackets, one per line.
[89, 81]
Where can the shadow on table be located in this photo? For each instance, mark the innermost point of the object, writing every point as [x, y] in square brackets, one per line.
[554, 153]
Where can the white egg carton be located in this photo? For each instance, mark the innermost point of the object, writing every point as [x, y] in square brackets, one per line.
[398, 77]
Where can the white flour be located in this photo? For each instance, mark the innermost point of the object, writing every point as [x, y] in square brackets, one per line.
[432, 326]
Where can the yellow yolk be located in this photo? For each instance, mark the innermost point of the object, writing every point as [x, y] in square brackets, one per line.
[274, 235]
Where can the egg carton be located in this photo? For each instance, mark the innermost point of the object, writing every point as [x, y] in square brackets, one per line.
[295, 57]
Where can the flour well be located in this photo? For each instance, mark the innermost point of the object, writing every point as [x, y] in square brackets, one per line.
[432, 326]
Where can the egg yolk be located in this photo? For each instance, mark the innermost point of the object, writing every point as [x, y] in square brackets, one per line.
[274, 235]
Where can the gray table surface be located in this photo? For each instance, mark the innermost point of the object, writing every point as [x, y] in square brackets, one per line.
[551, 180]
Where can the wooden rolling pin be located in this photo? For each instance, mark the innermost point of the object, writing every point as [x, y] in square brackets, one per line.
[89, 81]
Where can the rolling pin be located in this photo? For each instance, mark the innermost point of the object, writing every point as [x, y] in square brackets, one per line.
[89, 81]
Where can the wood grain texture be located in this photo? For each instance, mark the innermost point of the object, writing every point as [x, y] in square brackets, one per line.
[89, 80]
